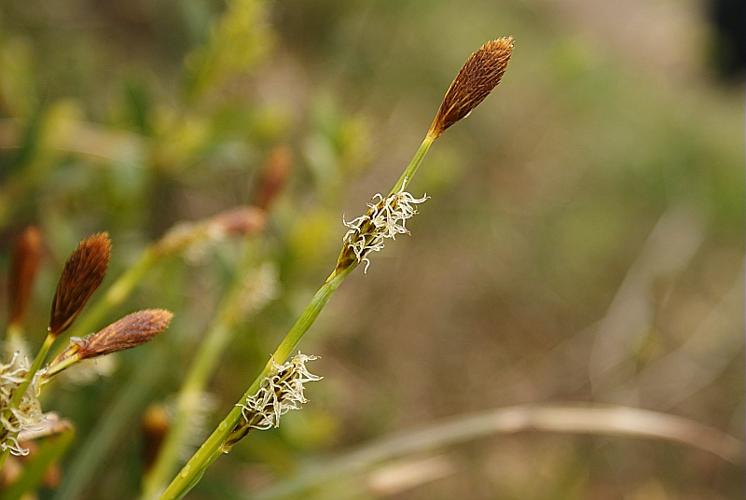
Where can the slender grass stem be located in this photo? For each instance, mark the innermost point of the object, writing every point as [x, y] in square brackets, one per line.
[35, 365]
[23, 387]
[561, 418]
[55, 368]
[414, 163]
[217, 338]
[112, 425]
[214, 445]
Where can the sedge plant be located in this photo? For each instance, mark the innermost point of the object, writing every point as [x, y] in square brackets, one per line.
[241, 221]
[279, 387]
[21, 381]
[249, 291]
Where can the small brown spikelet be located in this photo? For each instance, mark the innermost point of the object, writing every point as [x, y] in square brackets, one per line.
[128, 332]
[156, 423]
[274, 176]
[24, 266]
[83, 273]
[478, 76]
[240, 221]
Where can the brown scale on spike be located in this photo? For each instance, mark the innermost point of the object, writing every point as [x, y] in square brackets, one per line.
[24, 266]
[273, 177]
[478, 76]
[83, 273]
[128, 332]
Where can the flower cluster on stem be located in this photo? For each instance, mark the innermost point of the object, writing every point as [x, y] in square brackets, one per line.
[385, 219]
[281, 391]
[27, 415]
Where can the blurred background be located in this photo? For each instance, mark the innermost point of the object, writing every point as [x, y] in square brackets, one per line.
[583, 243]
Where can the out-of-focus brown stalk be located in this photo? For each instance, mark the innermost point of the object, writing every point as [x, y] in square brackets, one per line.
[156, 423]
[24, 266]
[235, 221]
[481, 73]
[83, 273]
[273, 177]
[239, 221]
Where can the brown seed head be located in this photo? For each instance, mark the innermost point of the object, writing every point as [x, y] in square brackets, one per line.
[239, 221]
[156, 423]
[478, 76]
[83, 273]
[24, 266]
[126, 333]
[273, 176]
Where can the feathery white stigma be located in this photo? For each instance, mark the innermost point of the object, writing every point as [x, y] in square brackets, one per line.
[27, 417]
[386, 217]
[279, 393]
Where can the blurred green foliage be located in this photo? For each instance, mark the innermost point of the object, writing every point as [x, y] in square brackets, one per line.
[133, 116]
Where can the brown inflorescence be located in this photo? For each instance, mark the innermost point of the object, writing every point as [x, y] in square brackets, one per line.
[24, 266]
[83, 273]
[273, 177]
[239, 221]
[128, 332]
[156, 423]
[478, 76]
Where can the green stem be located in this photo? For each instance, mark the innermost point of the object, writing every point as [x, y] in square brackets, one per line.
[21, 390]
[217, 338]
[38, 360]
[55, 368]
[213, 446]
[414, 163]
[211, 449]
[110, 428]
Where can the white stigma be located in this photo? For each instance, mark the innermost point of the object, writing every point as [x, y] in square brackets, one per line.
[27, 416]
[280, 392]
[386, 218]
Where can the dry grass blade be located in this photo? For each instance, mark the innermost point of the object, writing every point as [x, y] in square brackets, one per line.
[597, 420]
[83, 273]
[126, 333]
[478, 76]
[24, 266]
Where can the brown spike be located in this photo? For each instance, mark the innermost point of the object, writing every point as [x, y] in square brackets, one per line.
[24, 266]
[274, 176]
[128, 332]
[83, 273]
[478, 76]
[239, 221]
[156, 423]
